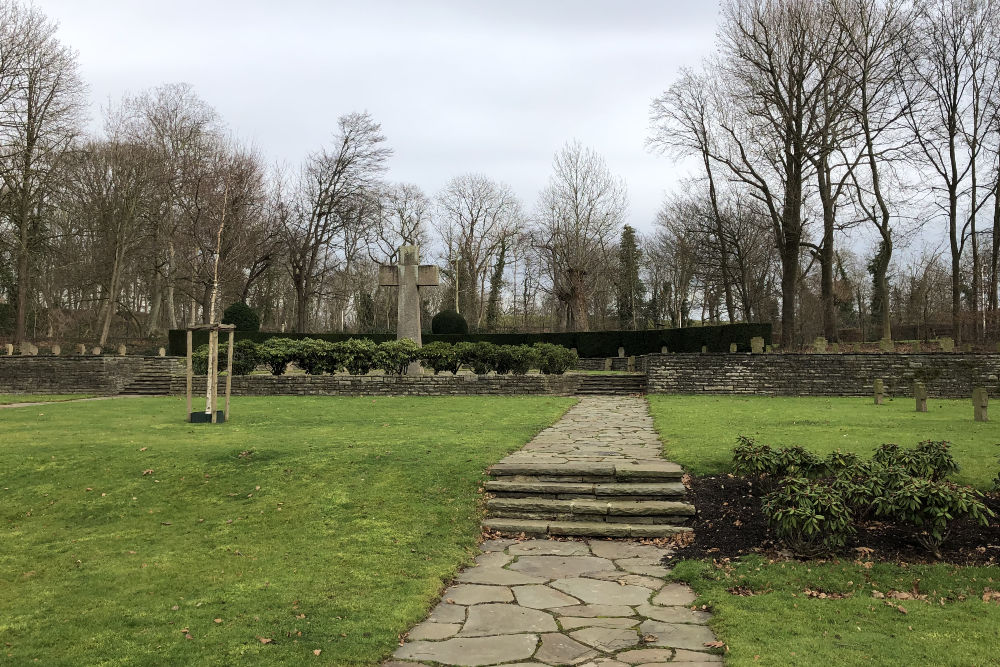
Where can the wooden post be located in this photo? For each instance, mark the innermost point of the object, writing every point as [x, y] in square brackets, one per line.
[920, 396]
[879, 391]
[213, 375]
[190, 372]
[229, 373]
[980, 404]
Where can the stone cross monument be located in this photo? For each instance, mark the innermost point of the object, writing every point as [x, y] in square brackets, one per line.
[409, 276]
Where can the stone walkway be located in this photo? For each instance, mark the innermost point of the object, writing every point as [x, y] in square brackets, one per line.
[596, 603]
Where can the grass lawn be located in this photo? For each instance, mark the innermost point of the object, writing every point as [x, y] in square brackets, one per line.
[699, 432]
[782, 625]
[317, 524]
[8, 399]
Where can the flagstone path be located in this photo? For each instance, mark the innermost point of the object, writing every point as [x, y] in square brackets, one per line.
[595, 603]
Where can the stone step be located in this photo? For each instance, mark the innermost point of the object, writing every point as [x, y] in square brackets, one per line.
[621, 472]
[607, 492]
[581, 528]
[590, 508]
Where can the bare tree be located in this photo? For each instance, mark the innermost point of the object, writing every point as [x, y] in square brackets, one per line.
[41, 108]
[774, 82]
[681, 121]
[329, 183]
[475, 215]
[579, 217]
[949, 104]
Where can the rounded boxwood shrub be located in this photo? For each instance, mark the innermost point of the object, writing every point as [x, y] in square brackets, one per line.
[277, 353]
[243, 316]
[246, 356]
[449, 322]
[440, 357]
[394, 356]
[357, 355]
[555, 359]
[516, 359]
[480, 356]
[311, 355]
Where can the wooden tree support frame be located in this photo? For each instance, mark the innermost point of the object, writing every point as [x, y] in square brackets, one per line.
[212, 376]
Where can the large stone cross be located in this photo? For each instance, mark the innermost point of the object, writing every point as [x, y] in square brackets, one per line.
[409, 276]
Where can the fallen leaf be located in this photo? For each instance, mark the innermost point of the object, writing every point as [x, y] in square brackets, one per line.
[218, 620]
[317, 651]
[265, 640]
[147, 471]
[715, 644]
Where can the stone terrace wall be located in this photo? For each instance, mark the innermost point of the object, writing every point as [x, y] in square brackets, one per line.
[389, 385]
[946, 375]
[75, 374]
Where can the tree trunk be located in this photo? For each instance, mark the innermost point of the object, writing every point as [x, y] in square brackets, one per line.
[111, 299]
[723, 243]
[956, 265]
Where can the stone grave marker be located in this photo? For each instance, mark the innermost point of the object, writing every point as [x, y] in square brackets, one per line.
[769, 349]
[757, 344]
[663, 349]
[56, 350]
[122, 350]
[947, 344]
[835, 348]
[28, 350]
[879, 391]
[819, 345]
[8, 349]
[162, 352]
[704, 349]
[96, 350]
[621, 352]
[631, 364]
[885, 344]
[409, 276]
[980, 404]
[81, 349]
[916, 347]
[967, 347]
[920, 395]
[733, 348]
[607, 364]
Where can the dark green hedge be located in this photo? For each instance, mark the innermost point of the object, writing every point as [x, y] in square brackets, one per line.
[588, 344]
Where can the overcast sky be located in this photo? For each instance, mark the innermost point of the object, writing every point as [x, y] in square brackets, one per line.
[490, 87]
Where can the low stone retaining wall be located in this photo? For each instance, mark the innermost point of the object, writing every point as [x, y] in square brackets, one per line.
[75, 374]
[600, 364]
[389, 385]
[946, 375]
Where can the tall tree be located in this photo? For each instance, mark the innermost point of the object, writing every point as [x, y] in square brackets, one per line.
[773, 82]
[475, 216]
[630, 287]
[582, 207]
[329, 184]
[41, 108]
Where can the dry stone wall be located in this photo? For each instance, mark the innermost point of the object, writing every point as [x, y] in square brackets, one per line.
[944, 375]
[389, 385]
[76, 374]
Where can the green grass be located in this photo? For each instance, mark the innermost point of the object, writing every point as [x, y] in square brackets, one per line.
[8, 399]
[699, 432]
[781, 625]
[317, 523]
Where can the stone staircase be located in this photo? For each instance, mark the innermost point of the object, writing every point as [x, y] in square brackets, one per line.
[153, 379]
[615, 384]
[584, 498]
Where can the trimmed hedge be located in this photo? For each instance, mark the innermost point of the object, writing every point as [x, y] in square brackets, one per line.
[588, 344]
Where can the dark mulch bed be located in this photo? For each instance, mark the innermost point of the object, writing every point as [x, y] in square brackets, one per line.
[730, 524]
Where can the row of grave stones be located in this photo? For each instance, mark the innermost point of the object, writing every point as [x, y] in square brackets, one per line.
[946, 344]
[31, 350]
[980, 399]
